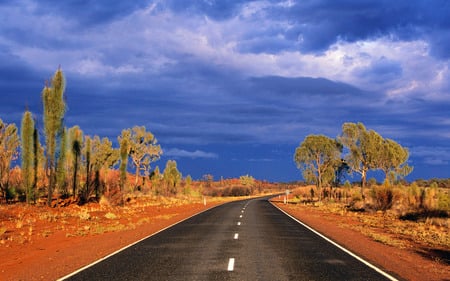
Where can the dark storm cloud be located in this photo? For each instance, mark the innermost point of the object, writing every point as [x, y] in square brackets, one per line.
[90, 12]
[380, 71]
[216, 9]
[224, 83]
[313, 26]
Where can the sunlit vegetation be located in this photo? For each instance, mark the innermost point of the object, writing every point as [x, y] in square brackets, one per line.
[398, 215]
[388, 212]
[73, 167]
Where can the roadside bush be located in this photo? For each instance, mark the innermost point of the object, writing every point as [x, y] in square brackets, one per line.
[384, 198]
[236, 191]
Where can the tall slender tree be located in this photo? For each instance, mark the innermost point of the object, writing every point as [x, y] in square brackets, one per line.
[76, 141]
[54, 110]
[87, 160]
[124, 141]
[61, 175]
[38, 158]
[28, 157]
[9, 143]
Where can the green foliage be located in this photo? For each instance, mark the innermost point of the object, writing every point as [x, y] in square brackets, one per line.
[54, 110]
[391, 159]
[171, 176]
[384, 198]
[27, 143]
[99, 155]
[142, 148]
[443, 200]
[247, 180]
[188, 180]
[124, 150]
[75, 141]
[318, 157]
[372, 182]
[363, 148]
[347, 184]
[9, 143]
[61, 170]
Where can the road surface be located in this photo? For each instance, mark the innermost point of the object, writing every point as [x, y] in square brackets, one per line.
[244, 240]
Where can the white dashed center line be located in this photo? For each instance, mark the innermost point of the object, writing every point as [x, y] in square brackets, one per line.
[231, 264]
[240, 216]
[239, 223]
[236, 235]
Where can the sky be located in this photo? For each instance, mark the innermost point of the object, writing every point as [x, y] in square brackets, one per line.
[231, 88]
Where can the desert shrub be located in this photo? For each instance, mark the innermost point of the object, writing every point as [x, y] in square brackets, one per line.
[372, 182]
[347, 184]
[413, 194]
[383, 197]
[429, 198]
[443, 201]
[236, 191]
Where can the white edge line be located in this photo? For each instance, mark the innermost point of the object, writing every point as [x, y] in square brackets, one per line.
[387, 275]
[231, 264]
[132, 244]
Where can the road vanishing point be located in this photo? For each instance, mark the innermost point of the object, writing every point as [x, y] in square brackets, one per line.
[243, 240]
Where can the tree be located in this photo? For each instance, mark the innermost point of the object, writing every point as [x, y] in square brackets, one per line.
[155, 179]
[61, 171]
[54, 109]
[102, 156]
[38, 153]
[9, 142]
[363, 147]
[171, 176]
[76, 140]
[340, 172]
[124, 151]
[143, 150]
[392, 160]
[247, 180]
[28, 157]
[87, 162]
[318, 156]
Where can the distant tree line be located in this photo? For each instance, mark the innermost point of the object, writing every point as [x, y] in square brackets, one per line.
[71, 164]
[323, 163]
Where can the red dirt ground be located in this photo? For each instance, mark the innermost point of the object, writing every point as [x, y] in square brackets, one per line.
[56, 254]
[34, 246]
[405, 264]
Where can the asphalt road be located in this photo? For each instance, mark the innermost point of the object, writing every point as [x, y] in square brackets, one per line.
[245, 240]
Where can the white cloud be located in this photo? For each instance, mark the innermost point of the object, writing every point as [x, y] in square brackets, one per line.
[175, 152]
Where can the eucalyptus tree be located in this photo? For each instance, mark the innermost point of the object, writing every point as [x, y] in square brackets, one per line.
[392, 160]
[9, 143]
[318, 156]
[28, 157]
[54, 110]
[142, 148]
[364, 147]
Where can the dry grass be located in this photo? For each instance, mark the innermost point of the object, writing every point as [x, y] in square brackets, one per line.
[388, 229]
